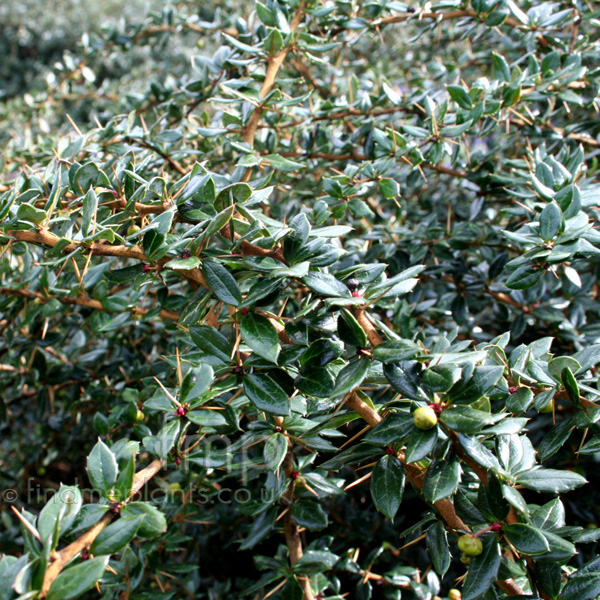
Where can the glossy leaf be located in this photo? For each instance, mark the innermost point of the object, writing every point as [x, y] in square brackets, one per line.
[78, 579]
[267, 394]
[387, 485]
[258, 332]
[222, 283]
[102, 468]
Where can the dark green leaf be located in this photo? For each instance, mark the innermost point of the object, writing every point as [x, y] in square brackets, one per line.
[395, 350]
[266, 394]
[325, 284]
[117, 535]
[75, 581]
[102, 467]
[440, 378]
[441, 480]
[315, 561]
[420, 443]
[478, 452]
[550, 221]
[258, 332]
[387, 485]
[350, 377]
[520, 401]
[555, 439]
[316, 381]
[153, 523]
[162, 443]
[437, 545]
[212, 342]
[526, 539]
[405, 379]
[465, 419]
[195, 383]
[274, 451]
[222, 283]
[571, 386]
[310, 514]
[357, 331]
[65, 504]
[551, 480]
[584, 584]
[395, 428]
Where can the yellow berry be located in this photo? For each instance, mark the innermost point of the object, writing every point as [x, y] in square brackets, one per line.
[454, 594]
[470, 545]
[139, 415]
[425, 418]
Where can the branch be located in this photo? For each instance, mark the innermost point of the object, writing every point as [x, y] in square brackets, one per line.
[249, 249]
[175, 164]
[84, 301]
[46, 238]
[290, 529]
[364, 321]
[273, 65]
[358, 156]
[502, 297]
[455, 14]
[578, 137]
[85, 541]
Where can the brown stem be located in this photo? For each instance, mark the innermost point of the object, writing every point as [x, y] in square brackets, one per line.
[273, 65]
[84, 301]
[364, 321]
[85, 541]
[290, 529]
[455, 14]
[249, 249]
[49, 239]
[171, 161]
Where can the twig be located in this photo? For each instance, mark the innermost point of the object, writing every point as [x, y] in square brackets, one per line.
[290, 529]
[85, 541]
[273, 65]
[84, 301]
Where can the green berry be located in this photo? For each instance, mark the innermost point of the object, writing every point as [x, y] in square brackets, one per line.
[133, 229]
[425, 418]
[465, 560]
[454, 594]
[548, 408]
[470, 545]
[139, 415]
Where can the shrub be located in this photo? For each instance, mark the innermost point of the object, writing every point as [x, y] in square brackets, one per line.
[310, 315]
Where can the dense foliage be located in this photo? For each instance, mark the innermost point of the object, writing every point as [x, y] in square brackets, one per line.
[299, 299]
